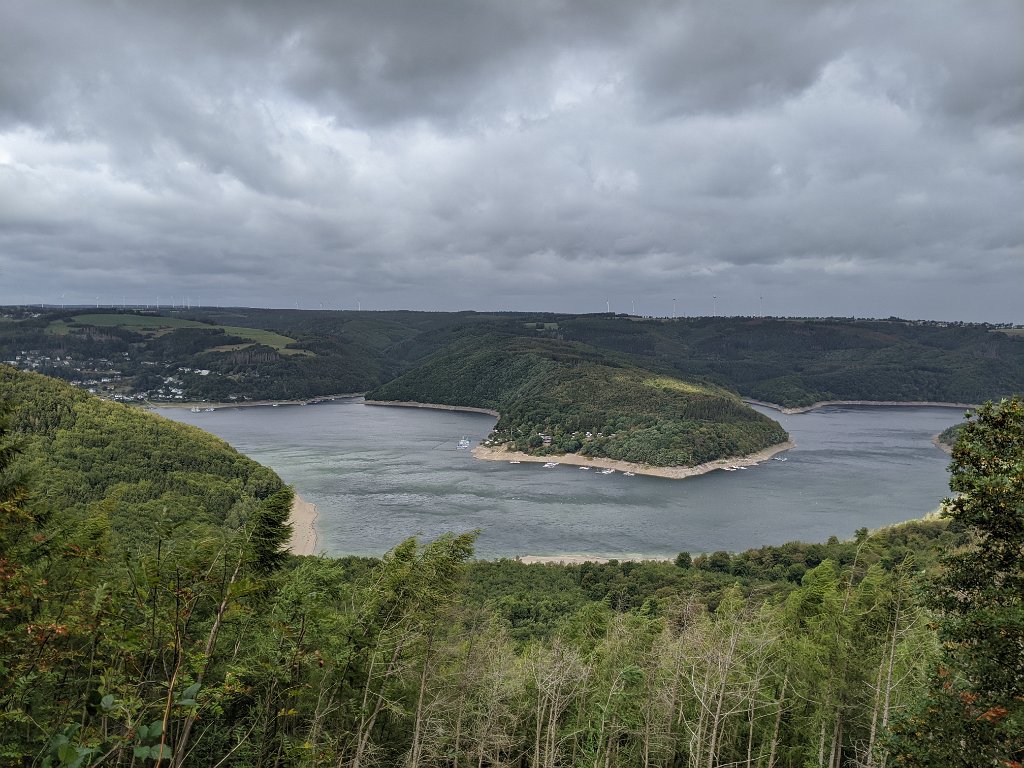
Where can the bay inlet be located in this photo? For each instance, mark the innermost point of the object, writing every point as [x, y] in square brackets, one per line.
[378, 475]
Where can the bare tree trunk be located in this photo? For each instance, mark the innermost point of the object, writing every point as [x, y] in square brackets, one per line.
[888, 674]
[870, 757]
[211, 643]
[836, 749]
[367, 723]
[417, 731]
[778, 721]
[750, 732]
[713, 746]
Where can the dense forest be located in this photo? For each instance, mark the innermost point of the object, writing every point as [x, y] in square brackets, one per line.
[558, 397]
[291, 354]
[150, 616]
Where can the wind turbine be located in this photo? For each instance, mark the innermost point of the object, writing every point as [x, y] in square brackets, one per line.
[608, 305]
[761, 310]
[673, 309]
[62, 300]
[714, 311]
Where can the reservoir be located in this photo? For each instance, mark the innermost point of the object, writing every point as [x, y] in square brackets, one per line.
[379, 475]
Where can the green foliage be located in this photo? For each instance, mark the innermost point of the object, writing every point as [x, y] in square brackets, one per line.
[270, 531]
[148, 617]
[974, 714]
[289, 354]
[557, 398]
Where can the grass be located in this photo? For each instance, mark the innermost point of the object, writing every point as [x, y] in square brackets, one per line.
[157, 324]
[663, 382]
[138, 322]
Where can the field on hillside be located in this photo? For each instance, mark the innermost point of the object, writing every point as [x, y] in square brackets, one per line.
[161, 324]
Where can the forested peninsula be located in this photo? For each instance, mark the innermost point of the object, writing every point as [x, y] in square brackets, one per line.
[558, 398]
[150, 615]
[647, 392]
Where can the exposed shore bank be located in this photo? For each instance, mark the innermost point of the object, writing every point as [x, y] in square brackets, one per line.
[673, 473]
[433, 406]
[251, 403]
[303, 519]
[576, 459]
[825, 403]
[578, 558]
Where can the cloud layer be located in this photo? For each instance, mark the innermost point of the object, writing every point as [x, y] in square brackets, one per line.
[831, 157]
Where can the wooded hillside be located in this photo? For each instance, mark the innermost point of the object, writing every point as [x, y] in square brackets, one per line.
[291, 354]
[556, 397]
[128, 638]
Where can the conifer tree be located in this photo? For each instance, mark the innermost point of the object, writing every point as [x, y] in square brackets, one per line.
[974, 713]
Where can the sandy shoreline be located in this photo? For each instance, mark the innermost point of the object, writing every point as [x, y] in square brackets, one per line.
[825, 403]
[252, 403]
[303, 519]
[434, 406]
[673, 473]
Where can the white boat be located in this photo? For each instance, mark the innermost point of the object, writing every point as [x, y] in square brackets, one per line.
[463, 444]
[778, 458]
[607, 471]
[515, 461]
[551, 464]
[629, 474]
[729, 469]
[196, 409]
[584, 468]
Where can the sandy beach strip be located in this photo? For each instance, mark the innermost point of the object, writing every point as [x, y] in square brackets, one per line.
[826, 403]
[435, 406]
[673, 473]
[303, 519]
[251, 403]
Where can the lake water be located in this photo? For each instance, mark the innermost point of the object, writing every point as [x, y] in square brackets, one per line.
[378, 475]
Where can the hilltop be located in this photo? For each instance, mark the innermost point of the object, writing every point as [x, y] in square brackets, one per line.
[242, 354]
[559, 397]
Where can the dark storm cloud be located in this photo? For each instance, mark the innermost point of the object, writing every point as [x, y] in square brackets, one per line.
[838, 158]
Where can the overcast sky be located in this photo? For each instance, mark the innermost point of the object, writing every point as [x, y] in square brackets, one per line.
[835, 158]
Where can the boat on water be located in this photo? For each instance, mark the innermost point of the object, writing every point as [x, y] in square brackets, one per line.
[629, 474]
[196, 409]
[729, 469]
[608, 471]
[463, 444]
[584, 468]
[551, 464]
[515, 461]
[778, 458]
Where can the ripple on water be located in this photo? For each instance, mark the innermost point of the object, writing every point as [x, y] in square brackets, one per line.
[378, 475]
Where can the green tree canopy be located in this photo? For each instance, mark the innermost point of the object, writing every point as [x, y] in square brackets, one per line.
[974, 715]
